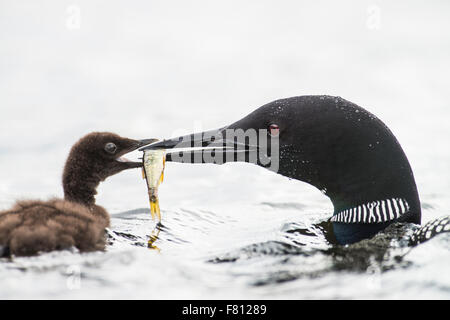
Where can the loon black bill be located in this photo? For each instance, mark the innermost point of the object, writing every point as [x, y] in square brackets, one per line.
[213, 146]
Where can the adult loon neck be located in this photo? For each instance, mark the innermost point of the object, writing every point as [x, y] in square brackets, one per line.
[373, 190]
[367, 182]
[372, 196]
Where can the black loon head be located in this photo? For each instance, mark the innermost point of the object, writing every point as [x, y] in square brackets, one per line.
[94, 158]
[334, 145]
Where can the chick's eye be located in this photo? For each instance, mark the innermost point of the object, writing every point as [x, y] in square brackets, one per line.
[274, 129]
[110, 147]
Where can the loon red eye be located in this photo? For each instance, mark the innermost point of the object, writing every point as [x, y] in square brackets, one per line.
[110, 147]
[274, 130]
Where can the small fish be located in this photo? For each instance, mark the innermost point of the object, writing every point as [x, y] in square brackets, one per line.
[154, 162]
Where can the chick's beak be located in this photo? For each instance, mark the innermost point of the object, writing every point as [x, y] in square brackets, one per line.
[144, 142]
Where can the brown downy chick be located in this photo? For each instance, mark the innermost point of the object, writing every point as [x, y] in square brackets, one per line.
[34, 226]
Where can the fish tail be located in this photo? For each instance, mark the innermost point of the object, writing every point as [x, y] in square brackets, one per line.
[154, 209]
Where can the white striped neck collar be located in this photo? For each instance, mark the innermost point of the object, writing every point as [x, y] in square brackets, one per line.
[373, 212]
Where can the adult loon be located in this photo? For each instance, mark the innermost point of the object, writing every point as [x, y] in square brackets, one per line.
[34, 226]
[330, 143]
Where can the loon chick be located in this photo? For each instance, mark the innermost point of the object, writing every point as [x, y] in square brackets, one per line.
[328, 142]
[34, 226]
